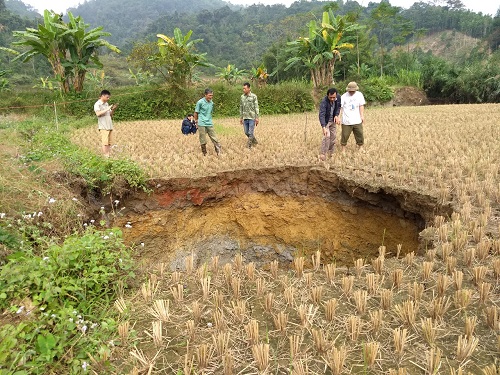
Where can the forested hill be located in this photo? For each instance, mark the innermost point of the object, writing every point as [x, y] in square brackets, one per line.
[21, 9]
[239, 36]
[126, 19]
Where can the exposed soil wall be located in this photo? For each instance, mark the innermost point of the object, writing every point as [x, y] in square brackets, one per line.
[274, 213]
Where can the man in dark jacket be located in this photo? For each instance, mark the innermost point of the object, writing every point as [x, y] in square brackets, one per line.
[329, 110]
[188, 125]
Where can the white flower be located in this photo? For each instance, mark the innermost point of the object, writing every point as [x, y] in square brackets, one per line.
[116, 202]
[92, 221]
[85, 224]
[128, 226]
[40, 214]
[78, 316]
[20, 310]
[102, 207]
[42, 308]
[74, 200]
[106, 237]
[46, 258]
[53, 316]
[52, 200]
[121, 260]
[209, 325]
[84, 329]
[142, 244]
[159, 185]
[84, 366]
[2, 215]
[71, 320]
[93, 325]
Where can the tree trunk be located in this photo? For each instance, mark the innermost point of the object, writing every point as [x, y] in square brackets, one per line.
[78, 81]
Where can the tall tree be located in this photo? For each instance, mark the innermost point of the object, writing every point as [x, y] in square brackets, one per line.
[389, 26]
[322, 48]
[69, 48]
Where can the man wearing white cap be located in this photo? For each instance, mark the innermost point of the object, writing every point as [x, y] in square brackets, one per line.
[352, 113]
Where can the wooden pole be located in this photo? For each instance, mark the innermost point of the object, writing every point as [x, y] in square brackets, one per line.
[55, 113]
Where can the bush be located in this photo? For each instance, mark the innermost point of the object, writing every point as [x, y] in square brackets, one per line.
[64, 296]
[153, 102]
[100, 174]
[374, 89]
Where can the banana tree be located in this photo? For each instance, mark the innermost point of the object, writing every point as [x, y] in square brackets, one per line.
[68, 47]
[48, 41]
[82, 50]
[260, 75]
[178, 55]
[230, 74]
[320, 50]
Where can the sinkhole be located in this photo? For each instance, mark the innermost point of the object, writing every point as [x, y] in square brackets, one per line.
[275, 213]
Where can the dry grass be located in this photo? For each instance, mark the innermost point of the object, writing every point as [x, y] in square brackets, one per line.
[312, 326]
[411, 148]
[415, 314]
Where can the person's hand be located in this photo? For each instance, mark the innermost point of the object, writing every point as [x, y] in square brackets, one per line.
[336, 119]
[325, 131]
[241, 121]
[256, 122]
[362, 119]
[196, 124]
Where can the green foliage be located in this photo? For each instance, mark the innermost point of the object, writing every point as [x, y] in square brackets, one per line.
[410, 78]
[100, 174]
[63, 296]
[160, 103]
[177, 57]
[230, 74]
[126, 19]
[4, 82]
[322, 47]
[80, 271]
[69, 47]
[376, 90]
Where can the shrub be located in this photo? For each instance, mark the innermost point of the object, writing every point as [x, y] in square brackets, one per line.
[64, 295]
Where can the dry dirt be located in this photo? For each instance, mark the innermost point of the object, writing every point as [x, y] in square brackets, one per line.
[274, 213]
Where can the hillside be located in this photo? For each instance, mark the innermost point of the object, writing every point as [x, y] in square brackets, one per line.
[126, 19]
[450, 45]
[21, 9]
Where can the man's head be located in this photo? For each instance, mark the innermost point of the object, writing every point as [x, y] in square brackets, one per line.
[352, 87]
[246, 88]
[332, 94]
[209, 94]
[105, 95]
[190, 116]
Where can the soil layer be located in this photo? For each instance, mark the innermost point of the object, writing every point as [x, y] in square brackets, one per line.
[274, 214]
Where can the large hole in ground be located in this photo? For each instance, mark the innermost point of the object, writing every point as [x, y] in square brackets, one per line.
[272, 214]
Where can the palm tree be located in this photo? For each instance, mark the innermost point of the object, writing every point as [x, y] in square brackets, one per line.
[322, 48]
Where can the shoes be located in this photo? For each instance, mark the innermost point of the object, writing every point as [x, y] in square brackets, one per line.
[217, 149]
[204, 149]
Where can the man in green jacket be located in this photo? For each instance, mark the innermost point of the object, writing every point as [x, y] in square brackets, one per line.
[249, 113]
[204, 122]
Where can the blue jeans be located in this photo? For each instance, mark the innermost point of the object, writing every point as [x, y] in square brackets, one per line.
[249, 127]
